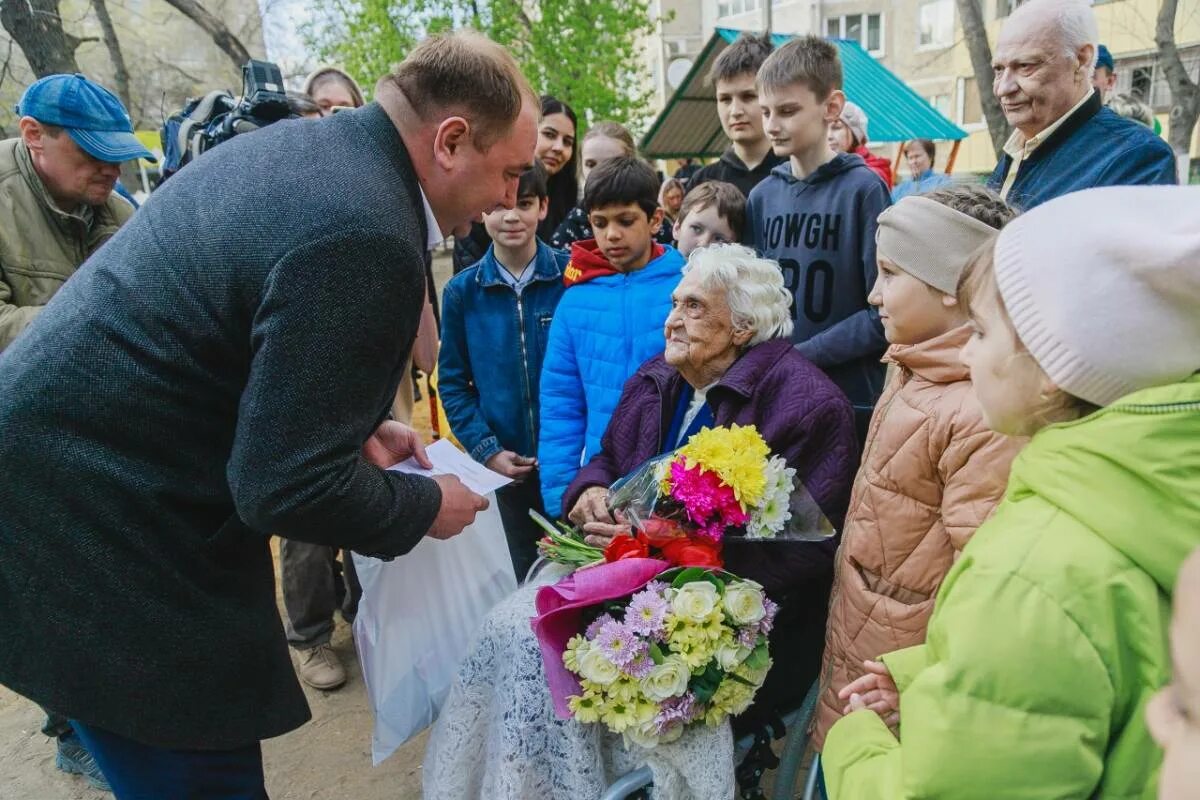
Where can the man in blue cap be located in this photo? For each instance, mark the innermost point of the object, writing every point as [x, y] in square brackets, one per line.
[57, 204]
[1105, 76]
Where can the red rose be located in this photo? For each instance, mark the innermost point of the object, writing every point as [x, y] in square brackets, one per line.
[625, 546]
[693, 553]
[656, 532]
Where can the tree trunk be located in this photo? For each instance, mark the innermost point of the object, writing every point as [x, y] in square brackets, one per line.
[36, 27]
[215, 28]
[1185, 95]
[120, 71]
[975, 33]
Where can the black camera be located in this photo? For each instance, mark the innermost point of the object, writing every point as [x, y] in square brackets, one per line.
[205, 122]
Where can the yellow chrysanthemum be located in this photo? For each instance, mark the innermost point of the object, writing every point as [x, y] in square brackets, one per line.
[623, 689]
[618, 715]
[738, 454]
[586, 707]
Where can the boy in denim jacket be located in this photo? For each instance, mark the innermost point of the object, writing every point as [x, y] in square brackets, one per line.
[495, 322]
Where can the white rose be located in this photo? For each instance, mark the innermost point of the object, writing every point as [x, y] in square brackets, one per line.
[644, 736]
[694, 601]
[729, 655]
[594, 666]
[668, 679]
[744, 603]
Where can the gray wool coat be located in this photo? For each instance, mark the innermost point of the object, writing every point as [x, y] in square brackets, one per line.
[207, 379]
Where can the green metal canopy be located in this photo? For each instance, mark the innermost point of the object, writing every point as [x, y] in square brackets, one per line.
[688, 126]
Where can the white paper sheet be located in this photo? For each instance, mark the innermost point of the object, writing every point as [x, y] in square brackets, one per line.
[449, 460]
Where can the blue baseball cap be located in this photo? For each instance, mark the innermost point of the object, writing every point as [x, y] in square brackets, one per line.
[92, 116]
[1104, 59]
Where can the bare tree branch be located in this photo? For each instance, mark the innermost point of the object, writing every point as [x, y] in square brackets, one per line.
[36, 27]
[1185, 94]
[221, 35]
[975, 33]
[120, 71]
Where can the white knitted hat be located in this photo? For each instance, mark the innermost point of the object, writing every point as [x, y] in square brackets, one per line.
[1103, 288]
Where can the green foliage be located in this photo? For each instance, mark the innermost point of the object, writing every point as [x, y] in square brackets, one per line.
[589, 53]
[705, 685]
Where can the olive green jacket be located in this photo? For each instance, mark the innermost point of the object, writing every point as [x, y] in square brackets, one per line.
[40, 245]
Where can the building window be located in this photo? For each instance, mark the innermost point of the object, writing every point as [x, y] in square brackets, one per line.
[731, 8]
[866, 29]
[935, 24]
[970, 109]
[942, 103]
[1140, 83]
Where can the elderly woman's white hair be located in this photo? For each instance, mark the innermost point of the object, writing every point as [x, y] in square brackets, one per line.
[753, 289]
[1074, 20]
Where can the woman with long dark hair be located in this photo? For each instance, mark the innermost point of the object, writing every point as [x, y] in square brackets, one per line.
[559, 155]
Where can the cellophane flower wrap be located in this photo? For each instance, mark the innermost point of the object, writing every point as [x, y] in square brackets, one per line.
[723, 481]
[687, 648]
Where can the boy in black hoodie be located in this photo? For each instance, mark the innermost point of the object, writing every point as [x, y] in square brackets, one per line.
[816, 215]
[749, 158]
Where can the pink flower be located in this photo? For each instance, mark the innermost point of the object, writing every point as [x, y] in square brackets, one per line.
[709, 503]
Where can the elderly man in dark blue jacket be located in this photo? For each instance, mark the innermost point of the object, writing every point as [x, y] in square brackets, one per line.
[1064, 139]
[219, 372]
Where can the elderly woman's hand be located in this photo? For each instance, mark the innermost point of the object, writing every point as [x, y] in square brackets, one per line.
[591, 513]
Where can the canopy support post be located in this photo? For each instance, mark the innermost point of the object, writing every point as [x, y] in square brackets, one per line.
[953, 156]
[899, 155]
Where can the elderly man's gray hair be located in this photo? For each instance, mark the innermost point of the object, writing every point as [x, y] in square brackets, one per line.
[1074, 21]
[753, 289]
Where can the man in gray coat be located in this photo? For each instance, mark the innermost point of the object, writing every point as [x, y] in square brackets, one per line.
[219, 372]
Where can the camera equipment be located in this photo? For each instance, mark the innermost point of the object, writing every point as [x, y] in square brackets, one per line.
[205, 122]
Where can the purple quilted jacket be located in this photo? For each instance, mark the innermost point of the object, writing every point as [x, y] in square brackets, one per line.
[804, 417]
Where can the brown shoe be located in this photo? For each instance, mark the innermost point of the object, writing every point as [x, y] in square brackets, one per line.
[320, 667]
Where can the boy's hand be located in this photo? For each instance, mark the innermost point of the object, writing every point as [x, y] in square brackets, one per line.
[512, 465]
[875, 691]
[393, 442]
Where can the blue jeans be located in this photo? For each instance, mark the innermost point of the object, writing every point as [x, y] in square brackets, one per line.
[139, 771]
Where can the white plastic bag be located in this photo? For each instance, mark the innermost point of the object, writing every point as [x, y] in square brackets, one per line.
[418, 616]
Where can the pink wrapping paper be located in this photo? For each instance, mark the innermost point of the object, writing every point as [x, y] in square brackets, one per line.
[560, 610]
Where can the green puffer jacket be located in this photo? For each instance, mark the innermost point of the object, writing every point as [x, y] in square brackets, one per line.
[1049, 634]
[40, 245]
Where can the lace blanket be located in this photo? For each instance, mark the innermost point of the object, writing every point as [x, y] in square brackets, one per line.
[498, 738]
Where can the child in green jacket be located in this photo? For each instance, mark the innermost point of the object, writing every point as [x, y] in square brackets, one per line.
[1049, 635]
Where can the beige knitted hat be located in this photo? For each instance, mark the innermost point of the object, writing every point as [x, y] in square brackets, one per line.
[854, 118]
[1103, 288]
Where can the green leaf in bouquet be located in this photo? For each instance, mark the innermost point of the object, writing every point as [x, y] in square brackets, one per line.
[759, 658]
[732, 676]
[542, 522]
[704, 686]
[687, 576]
[656, 653]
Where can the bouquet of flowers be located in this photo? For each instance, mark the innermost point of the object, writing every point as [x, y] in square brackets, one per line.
[682, 505]
[649, 634]
[687, 647]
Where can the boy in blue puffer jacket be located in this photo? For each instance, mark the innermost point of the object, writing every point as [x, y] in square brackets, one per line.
[609, 321]
[495, 318]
